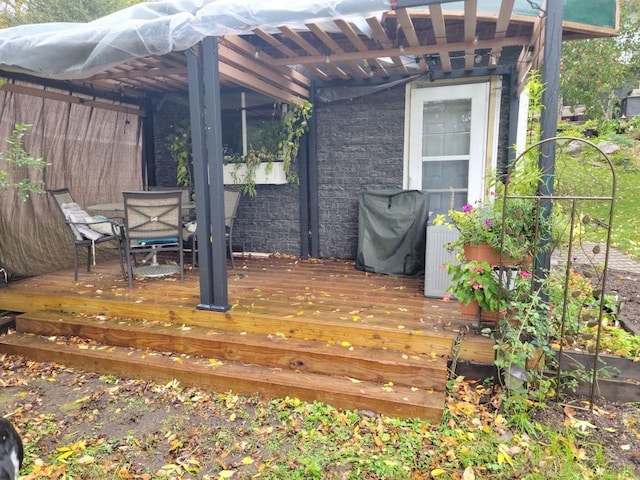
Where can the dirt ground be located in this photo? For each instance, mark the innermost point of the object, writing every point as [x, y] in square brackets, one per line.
[627, 287]
[141, 426]
[617, 426]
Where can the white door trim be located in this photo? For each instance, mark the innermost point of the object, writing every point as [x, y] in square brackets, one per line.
[479, 95]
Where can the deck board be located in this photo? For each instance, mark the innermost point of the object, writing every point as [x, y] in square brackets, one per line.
[318, 329]
[327, 300]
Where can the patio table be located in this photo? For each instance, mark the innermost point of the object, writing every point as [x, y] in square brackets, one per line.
[118, 207]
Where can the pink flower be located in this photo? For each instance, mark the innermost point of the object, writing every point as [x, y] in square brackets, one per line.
[477, 286]
[488, 223]
[467, 208]
[446, 297]
[524, 274]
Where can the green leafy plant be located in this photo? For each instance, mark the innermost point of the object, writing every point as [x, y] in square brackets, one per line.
[178, 142]
[17, 158]
[285, 135]
[494, 288]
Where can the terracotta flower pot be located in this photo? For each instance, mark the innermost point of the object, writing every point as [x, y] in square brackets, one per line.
[484, 252]
[471, 311]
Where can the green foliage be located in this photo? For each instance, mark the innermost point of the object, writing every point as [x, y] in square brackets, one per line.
[273, 142]
[17, 159]
[592, 69]
[23, 12]
[294, 124]
[178, 142]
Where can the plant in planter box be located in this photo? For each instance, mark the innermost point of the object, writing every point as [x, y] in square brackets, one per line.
[278, 142]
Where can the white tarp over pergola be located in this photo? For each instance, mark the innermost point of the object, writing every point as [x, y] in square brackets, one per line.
[80, 50]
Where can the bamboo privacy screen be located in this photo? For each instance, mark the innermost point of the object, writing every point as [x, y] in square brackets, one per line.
[95, 153]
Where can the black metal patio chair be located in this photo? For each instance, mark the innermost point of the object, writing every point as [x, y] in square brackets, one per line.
[152, 224]
[86, 231]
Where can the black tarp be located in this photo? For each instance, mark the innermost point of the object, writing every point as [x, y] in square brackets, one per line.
[391, 231]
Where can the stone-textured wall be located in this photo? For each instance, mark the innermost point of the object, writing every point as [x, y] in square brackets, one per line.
[360, 147]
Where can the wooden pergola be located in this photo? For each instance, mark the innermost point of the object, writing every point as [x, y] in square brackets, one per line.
[282, 64]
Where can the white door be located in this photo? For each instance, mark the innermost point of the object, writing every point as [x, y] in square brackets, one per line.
[447, 143]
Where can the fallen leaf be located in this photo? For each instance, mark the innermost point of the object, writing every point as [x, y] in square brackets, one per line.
[468, 474]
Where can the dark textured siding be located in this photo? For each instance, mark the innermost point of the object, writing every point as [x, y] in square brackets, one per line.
[360, 147]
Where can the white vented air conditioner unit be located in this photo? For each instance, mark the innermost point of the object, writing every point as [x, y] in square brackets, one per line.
[436, 280]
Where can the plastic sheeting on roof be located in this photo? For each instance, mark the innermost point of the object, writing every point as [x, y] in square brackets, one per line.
[79, 50]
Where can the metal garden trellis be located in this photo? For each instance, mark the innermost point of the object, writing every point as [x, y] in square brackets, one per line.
[544, 205]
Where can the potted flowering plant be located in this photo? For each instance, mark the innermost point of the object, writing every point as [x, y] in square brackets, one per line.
[485, 288]
[474, 282]
[509, 227]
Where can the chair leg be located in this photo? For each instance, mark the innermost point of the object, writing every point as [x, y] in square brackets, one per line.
[120, 257]
[75, 264]
[233, 265]
[88, 259]
[129, 271]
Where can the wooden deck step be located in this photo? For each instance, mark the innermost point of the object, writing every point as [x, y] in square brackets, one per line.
[341, 359]
[239, 377]
[410, 337]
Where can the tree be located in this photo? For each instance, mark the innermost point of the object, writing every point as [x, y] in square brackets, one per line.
[592, 69]
[23, 12]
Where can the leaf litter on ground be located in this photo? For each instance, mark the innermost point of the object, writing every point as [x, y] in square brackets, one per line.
[78, 424]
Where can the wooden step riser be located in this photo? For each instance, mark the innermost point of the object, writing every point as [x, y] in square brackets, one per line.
[305, 327]
[292, 354]
[243, 380]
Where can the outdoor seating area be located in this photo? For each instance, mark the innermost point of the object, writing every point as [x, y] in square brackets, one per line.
[144, 224]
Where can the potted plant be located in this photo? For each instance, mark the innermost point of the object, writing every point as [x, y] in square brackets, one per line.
[485, 291]
[507, 229]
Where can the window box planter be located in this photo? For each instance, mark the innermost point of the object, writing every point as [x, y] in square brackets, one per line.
[266, 173]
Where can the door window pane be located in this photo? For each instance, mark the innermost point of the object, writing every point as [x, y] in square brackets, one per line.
[439, 178]
[445, 174]
[441, 202]
[446, 127]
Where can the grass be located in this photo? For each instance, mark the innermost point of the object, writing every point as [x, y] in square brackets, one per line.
[591, 175]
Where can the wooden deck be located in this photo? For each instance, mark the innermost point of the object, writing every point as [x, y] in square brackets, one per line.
[318, 330]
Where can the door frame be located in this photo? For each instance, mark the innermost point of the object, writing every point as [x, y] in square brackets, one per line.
[485, 94]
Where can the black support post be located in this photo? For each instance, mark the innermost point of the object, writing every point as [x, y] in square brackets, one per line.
[206, 134]
[549, 116]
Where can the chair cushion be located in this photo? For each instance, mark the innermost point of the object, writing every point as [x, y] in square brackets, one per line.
[158, 241]
[76, 216]
[102, 224]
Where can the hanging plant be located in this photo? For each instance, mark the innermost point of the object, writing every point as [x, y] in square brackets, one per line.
[295, 123]
[286, 135]
[178, 143]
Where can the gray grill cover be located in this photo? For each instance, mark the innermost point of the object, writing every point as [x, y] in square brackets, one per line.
[391, 231]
